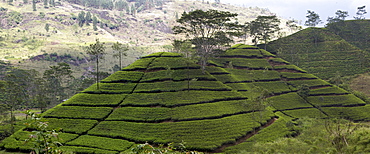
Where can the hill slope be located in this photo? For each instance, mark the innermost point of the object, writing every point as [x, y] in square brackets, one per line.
[321, 52]
[355, 32]
[165, 98]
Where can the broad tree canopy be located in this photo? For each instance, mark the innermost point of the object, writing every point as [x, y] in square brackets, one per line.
[208, 31]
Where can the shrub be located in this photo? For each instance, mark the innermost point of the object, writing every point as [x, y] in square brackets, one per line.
[288, 101]
[170, 86]
[97, 113]
[101, 143]
[111, 88]
[170, 99]
[78, 126]
[83, 99]
[338, 100]
[124, 76]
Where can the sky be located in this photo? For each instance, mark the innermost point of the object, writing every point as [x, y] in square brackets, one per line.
[297, 9]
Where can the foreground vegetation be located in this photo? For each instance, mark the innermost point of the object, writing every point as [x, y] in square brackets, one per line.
[247, 95]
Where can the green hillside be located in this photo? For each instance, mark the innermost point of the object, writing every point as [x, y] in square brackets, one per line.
[321, 52]
[246, 95]
[355, 32]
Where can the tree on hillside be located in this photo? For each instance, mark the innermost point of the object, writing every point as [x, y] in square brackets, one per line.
[264, 28]
[56, 81]
[208, 31]
[81, 18]
[47, 26]
[34, 5]
[184, 47]
[341, 16]
[360, 14]
[292, 25]
[95, 21]
[313, 19]
[97, 50]
[88, 18]
[121, 51]
[336, 23]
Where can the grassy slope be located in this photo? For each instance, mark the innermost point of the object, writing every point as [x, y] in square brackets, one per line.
[329, 55]
[151, 103]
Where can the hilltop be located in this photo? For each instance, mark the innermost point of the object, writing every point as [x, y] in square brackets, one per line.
[246, 95]
[322, 53]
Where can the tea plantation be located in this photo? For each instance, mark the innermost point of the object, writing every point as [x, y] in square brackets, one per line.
[163, 98]
[323, 53]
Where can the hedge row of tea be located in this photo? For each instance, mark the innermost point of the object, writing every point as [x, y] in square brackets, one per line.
[323, 53]
[163, 98]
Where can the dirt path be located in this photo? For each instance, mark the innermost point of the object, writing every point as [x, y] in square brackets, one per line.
[244, 138]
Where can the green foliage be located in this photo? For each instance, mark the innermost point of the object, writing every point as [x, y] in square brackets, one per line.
[290, 75]
[207, 30]
[306, 112]
[339, 100]
[182, 113]
[97, 113]
[243, 63]
[101, 143]
[44, 139]
[84, 99]
[176, 63]
[111, 88]
[313, 19]
[78, 126]
[81, 149]
[192, 132]
[264, 28]
[289, 67]
[97, 50]
[140, 64]
[177, 75]
[121, 49]
[288, 101]
[275, 87]
[356, 113]
[328, 91]
[170, 99]
[309, 83]
[171, 86]
[124, 76]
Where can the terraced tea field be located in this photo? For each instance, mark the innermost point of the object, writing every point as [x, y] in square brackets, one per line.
[163, 98]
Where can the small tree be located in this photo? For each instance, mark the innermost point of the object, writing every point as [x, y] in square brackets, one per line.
[360, 14]
[81, 18]
[313, 19]
[97, 50]
[95, 21]
[47, 27]
[34, 5]
[88, 18]
[121, 51]
[208, 31]
[264, 28]
[341, 16]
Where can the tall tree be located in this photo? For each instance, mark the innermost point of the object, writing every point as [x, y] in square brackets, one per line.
[360, 14]
[265, 28]
[208, 31]
[313, 19]
[56, 81]
[121, 51]
[97, 50]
